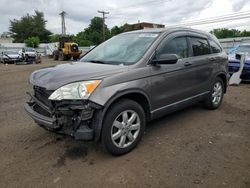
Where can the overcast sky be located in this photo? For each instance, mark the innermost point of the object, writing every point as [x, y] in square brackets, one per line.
[79, 12]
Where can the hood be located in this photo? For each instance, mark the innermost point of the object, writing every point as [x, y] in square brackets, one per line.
[30, 53]
[54, 77]
[12, 55]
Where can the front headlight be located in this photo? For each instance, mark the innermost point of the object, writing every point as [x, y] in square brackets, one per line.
[75, 91]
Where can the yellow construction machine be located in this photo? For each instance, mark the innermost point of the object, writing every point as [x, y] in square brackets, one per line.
[66, 50]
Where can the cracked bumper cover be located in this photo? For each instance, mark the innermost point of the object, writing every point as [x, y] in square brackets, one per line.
[80, 129]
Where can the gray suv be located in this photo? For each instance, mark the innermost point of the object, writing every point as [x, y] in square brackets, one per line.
[132, 78]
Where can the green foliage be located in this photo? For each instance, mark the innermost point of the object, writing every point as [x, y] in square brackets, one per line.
[32, 42]
[229, 33]
[55, 37]
[245, 33]
[29, 26]
[93, 34]
[81, 39]
[116, 30]
[94, 31]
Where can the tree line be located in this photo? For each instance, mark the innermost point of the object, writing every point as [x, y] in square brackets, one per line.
[31, 29]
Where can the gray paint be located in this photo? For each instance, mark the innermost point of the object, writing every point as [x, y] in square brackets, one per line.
[162, 85]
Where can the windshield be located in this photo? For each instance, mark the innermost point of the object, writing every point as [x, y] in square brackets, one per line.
[123, 49]
[244, 49]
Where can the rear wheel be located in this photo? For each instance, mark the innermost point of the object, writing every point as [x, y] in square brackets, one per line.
[26, 58]
[55, 56]
[62, 57]
[123, 127]
[215, 97]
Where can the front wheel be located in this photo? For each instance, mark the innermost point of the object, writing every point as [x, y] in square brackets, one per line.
[213, 101]
[75, 58]
[123, 127]
[55, 56]
[61, 57]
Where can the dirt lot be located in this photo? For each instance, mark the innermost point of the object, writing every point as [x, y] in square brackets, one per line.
[191, 148]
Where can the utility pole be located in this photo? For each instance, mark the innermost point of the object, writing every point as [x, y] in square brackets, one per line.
[63, 23]
[103, 23]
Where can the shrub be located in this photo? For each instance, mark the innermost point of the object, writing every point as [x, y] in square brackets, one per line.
[32, 42]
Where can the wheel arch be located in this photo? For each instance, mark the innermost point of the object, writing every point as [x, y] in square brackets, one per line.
[223, 76]
[136, 95]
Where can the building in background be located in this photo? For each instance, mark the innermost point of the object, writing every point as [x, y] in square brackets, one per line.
[6, 40]
[5, 37]
[142, 25]
[229, 43]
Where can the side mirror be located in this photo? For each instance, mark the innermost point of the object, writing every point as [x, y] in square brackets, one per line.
[165, 59]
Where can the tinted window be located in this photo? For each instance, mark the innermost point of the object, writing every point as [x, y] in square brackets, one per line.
[176, 46]
[200, 46]
[214, 47]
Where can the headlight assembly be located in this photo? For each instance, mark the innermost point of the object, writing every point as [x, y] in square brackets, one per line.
[75, 91]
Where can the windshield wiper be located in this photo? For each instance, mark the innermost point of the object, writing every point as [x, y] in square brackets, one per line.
[97, 61]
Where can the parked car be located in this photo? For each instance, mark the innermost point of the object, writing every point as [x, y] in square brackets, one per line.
[234, 61]
[28, 54]
[10, 57]
[128, 80]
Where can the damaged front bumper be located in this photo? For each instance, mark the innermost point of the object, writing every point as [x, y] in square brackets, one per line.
[74, 118]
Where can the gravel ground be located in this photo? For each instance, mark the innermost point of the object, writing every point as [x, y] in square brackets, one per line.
[190, 148]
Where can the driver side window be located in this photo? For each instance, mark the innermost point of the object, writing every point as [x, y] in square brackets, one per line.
[178, 46]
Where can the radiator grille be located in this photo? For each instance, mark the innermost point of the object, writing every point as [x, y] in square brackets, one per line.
[42, 95]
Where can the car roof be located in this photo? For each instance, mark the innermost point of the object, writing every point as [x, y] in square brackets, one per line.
[169, 29]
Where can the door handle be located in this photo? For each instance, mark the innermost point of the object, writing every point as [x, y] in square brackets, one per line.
[186, 64]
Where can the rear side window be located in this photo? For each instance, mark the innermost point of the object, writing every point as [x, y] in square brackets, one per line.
[215, 48]
[176, 46]
[200, 46]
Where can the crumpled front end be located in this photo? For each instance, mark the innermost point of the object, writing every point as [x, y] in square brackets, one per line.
[70, 117]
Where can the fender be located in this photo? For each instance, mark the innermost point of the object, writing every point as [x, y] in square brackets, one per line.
[227, 78]
[100, 114]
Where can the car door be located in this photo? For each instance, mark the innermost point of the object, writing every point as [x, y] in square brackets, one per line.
[172, 83]
[202, 63]
[216, 50]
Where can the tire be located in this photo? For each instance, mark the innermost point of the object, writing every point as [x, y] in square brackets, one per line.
[75, 58]
[118, 141]
[213, 101]
[26, 58]
[68, 58]
[62, 57]
[55, 56]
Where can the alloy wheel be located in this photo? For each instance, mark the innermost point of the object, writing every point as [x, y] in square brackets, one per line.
[125, 128]
[217, 93]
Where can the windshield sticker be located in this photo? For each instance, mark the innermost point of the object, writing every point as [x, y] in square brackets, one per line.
[150, 35]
